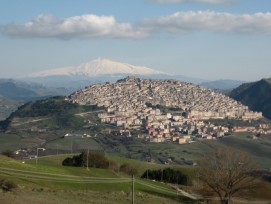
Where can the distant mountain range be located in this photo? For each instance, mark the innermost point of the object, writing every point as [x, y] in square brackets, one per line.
[256, 95]
[18, 90]
[223, 85]
[14, 93]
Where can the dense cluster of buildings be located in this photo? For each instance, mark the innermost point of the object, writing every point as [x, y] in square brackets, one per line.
[132, 103]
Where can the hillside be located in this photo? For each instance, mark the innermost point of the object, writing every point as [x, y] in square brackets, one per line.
[49, 179]
[130, 95]
[256, 95]
[45, 177]
[45, 122]
[7, 106]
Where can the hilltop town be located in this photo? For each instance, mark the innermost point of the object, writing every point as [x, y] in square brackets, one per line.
[164, 109]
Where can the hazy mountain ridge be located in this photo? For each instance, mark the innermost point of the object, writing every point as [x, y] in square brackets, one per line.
[223, 84]
[15, 89]
[256, 95]
[11, 90]
[14, 93]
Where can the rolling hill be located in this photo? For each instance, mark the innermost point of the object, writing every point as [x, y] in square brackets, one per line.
[256, 95]
[72, 185]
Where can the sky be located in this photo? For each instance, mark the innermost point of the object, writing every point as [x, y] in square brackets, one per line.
[208, 39]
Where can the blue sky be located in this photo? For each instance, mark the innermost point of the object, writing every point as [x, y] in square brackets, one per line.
[210, 39]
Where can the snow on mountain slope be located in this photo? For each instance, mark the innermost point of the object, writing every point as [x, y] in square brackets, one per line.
[98, 67]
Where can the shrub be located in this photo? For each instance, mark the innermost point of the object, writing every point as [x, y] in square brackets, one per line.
[7, 185]
[8, 153]
[95, 159]
[128, 169]
[114, 166]
[76, 160]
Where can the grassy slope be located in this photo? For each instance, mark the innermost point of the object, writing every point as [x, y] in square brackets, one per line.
[39, 190]
[76, 185]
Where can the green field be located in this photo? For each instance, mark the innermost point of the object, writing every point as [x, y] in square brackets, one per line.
[47, 178]
[184, 154]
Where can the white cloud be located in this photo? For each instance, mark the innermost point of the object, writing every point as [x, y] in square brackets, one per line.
[92, 26]
[183, 22]
[85, 26]
[196, 1]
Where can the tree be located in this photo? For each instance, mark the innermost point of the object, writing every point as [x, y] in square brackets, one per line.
[128, 169]
[8, 153]
[226, 172]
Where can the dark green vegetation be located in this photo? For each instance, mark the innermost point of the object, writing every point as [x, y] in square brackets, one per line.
[61, 113]
[88, 159]
[256, 95]
[167, 175]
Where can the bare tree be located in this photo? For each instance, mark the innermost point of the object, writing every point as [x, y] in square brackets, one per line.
[226, 172]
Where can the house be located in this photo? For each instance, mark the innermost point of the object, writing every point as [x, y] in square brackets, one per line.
[182, 140]
[71, 135]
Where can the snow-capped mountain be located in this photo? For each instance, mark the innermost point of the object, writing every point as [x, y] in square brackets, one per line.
[99, 67]
[97, 71]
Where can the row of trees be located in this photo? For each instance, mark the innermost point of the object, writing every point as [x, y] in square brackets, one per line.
[166, 175]
[98, 160]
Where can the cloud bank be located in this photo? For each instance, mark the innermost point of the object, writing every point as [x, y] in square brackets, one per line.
[183, 22]
[92, 26]
[85, 26]
[196, 1]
